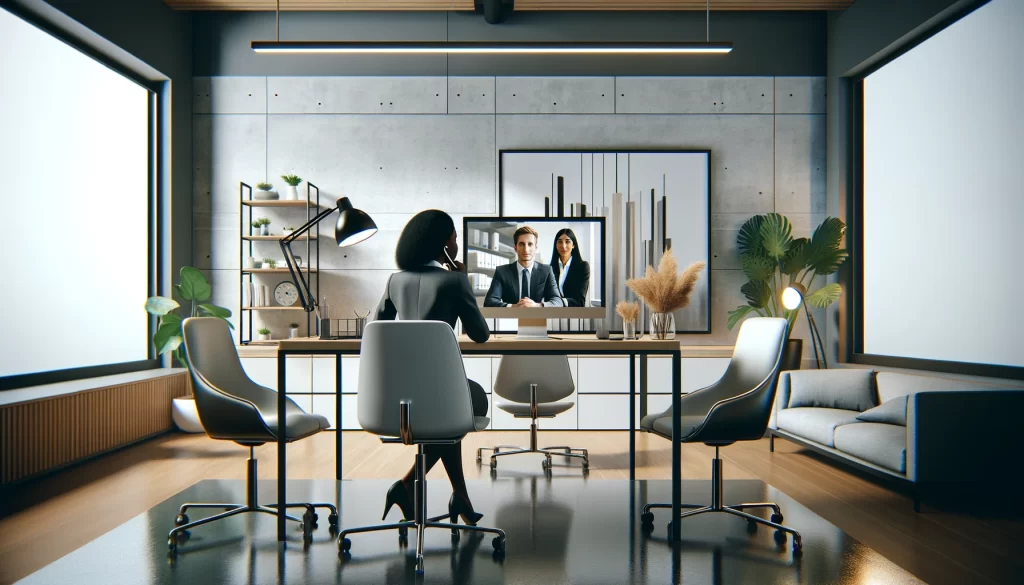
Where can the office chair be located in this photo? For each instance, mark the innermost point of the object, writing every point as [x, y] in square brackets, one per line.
[735, 408]
[534, 384]
[413, 386]
[234, 408]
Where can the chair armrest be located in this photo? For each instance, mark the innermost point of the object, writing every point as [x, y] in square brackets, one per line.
[963, 436]
[781, 399]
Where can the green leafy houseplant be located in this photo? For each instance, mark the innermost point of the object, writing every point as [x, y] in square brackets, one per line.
[264, 186]
[292, 180]
[773, 260]
[260, 221]
[269, 263]
[193, 288]
[263, 331]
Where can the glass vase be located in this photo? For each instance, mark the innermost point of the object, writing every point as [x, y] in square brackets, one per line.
[629, 329]
[663, 326]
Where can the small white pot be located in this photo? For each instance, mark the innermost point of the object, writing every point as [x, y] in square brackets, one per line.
[264, 195]
[292, 193]
[264, 230]
[293, 332]
[286, 233]
[264, 337]
[250, 262]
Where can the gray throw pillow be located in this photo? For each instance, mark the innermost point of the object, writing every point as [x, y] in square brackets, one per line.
[852, 389]
[890, 412]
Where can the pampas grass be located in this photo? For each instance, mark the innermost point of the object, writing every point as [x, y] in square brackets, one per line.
[628, 310]
[661, 289]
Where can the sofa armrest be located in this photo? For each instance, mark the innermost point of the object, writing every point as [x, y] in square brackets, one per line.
[963, 436]
[781, 399]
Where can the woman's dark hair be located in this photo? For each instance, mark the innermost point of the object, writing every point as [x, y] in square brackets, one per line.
[575, 246]
[423, 238]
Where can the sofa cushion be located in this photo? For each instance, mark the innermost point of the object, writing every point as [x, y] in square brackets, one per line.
[894, 384]
[893, 412]
[816, 424]
[852, 389]
[881, 444]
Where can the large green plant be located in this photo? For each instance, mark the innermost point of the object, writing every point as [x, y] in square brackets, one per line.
[193, 288]
[773, 260]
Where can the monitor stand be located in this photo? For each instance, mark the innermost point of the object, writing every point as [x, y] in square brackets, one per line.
[532, 329]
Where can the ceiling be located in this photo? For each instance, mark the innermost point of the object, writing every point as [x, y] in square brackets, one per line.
[520, 5]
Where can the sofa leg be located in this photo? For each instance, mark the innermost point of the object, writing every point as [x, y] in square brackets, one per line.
[771, 442]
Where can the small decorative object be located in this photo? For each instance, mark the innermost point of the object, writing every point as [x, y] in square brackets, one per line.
[262, 223]
[293, 181]
[287, 231]
[293, 329]
[629, 311]
[286, 294]
[264, 192]
[264, 334]
[664, 292]
[360, 321]
[193, 288]
[269, 263]
[250, 263]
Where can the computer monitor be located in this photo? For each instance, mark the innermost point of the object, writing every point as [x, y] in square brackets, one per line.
[488, 245]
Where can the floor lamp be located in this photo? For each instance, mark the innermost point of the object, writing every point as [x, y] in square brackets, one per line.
[792, 298]
[353, 226]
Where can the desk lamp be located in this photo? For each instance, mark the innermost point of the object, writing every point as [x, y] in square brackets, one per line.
[353, 226]
[792, 298]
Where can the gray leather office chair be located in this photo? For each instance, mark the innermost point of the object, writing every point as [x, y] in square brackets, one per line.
[735, 408]
[413, 386]
[534, 385]
[234, 408]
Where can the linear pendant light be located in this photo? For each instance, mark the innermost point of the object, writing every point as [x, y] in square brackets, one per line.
[493, 47]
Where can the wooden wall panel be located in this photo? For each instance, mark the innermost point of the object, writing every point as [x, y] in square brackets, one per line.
[42, 435]
[520, 5]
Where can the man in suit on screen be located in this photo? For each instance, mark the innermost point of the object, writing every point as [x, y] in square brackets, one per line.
[524, 283]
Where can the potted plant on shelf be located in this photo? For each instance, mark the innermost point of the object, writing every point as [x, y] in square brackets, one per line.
[264, 192]
[773, 260]
[269, 263]
[262, 223]
[665, 292]
[293, 181]
[287, 231]
[264, 333]
[293, 330]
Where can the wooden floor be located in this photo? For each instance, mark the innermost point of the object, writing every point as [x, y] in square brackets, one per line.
[49, 518]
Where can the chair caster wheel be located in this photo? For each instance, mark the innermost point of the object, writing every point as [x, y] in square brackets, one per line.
[332, 519]
[776, 518]
[499, 545]
[181, 520]
[751, 527]
[345, 546]
[172, 545]
[494, 473]
[798, 547]
[403, 532]
[545, 464]
[586, 466]
[494, 463]
[780, 536]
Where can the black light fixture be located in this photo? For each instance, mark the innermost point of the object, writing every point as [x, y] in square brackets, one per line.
[353, 226]
[792, 298]
[494, 47]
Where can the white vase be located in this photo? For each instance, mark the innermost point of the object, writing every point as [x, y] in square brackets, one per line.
[293, 332]
[250, 262]
[264, 337]
[264, 230]
[292, 194]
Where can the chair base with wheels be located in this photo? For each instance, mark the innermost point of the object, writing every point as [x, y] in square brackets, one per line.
[420, 523]
[717, 485]
[533, 410]
[308, 521]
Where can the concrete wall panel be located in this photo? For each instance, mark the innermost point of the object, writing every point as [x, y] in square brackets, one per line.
[800, 164]
[800, 95]
[555, 95]
[694, 95]
[229, 95]
[357, 95]
[471, 95]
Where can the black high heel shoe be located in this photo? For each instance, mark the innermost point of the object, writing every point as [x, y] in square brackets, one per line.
[460, 507]
[397, 494]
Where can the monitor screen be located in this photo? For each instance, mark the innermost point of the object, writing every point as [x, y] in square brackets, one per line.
[565, 255]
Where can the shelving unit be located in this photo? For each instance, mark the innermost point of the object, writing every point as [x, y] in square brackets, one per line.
[246, 204]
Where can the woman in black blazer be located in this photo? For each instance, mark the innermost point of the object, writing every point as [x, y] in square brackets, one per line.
[566, 258]
[431, 286]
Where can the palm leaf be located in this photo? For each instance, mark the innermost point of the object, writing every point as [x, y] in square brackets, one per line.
[776, 235]
[824, 255]
[737, 314]
[757, 267]
[824, 296]
[748, 240]
[796, 258]
[757, 293]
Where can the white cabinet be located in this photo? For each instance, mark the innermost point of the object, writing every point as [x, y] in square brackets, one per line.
[603, 374]
[702, 372]
[501, 420]
[597, 411]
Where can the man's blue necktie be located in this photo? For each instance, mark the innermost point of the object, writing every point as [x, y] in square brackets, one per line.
[524, 289]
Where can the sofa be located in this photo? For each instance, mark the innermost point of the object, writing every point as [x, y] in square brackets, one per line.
[924, 431]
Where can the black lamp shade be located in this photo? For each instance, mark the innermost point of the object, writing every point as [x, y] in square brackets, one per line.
[353, 226]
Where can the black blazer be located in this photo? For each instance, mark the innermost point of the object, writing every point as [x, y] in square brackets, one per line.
[433, 294]
[504, 288]
[577, 282]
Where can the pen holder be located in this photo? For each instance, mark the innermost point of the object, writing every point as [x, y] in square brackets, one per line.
[325, 328]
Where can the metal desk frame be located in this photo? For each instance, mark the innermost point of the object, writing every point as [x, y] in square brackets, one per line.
[565, 345]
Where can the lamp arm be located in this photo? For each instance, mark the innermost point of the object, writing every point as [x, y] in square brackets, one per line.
[305, 296]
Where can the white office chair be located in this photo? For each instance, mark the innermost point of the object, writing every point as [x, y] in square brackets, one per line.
[534, 384]
[412, 385]
[735, 408]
